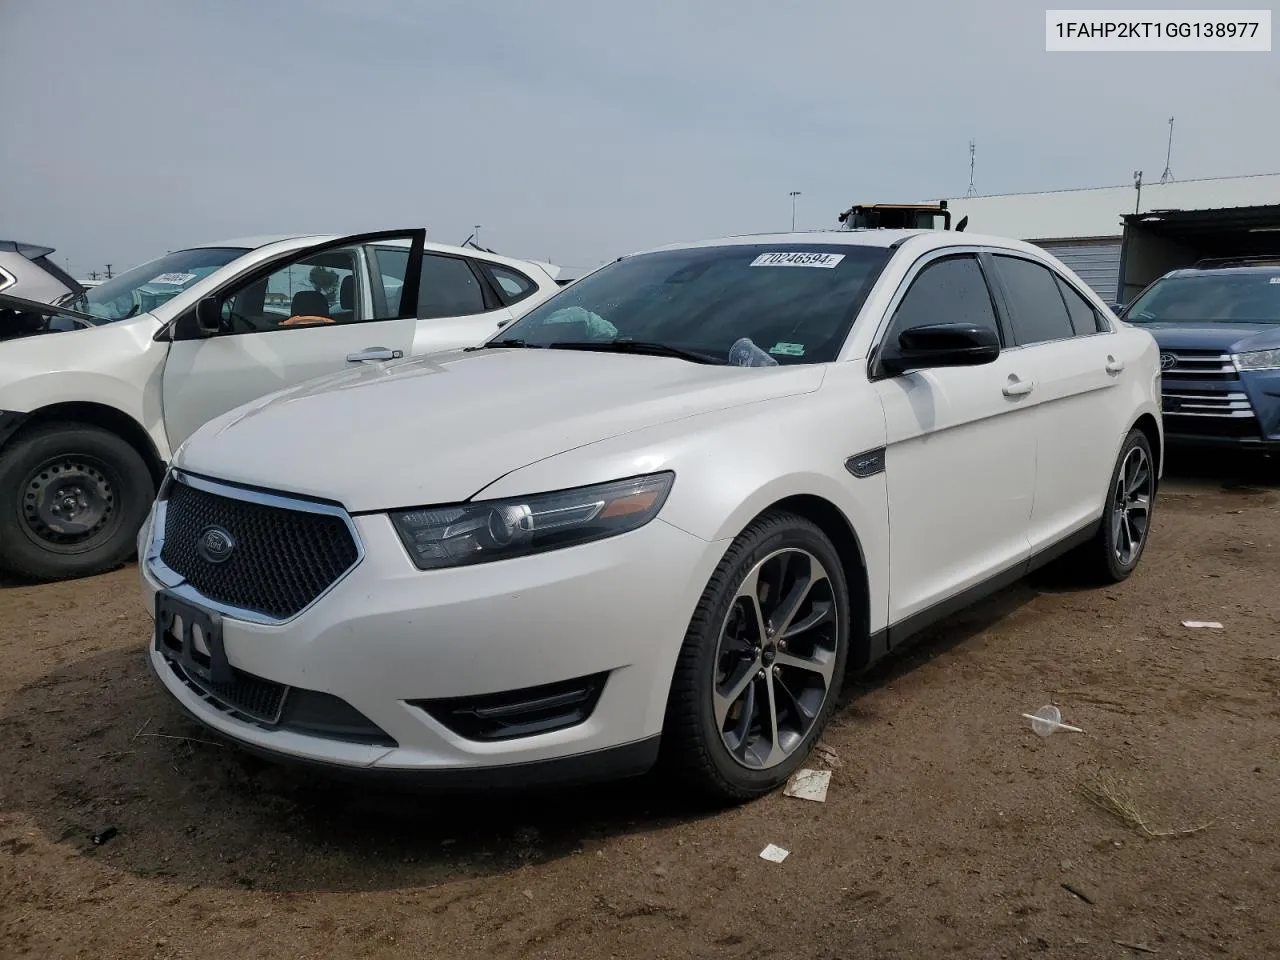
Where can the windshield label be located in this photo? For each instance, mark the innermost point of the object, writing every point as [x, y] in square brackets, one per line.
[178, 279]
[788, 349]
[1274, 280]
[824, 260]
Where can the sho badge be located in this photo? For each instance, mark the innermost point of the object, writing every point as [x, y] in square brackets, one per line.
[215, 544]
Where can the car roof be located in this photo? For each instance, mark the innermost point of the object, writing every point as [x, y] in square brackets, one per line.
[253, 243]
[307, 239]
[921, 239]
[29, 250]
[1260, 269]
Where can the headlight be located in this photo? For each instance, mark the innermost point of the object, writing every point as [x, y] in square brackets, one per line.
[1257, 360]
[482, 531]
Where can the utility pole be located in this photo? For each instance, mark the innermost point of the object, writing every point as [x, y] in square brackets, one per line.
[1168, 156]
[1137, 185]
[109, 273]
[971, 192]
[793, 194]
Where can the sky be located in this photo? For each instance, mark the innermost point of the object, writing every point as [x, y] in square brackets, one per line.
[571, 130]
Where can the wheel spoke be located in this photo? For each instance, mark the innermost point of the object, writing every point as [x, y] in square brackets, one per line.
[1127, 549]
[724, 702]
[741, 732]
[1139, 476]
[819, 614]
[1140, 504]
[750, 591]
[1117, 525]
[797, 705]
[822, 663]
[781, 617]
[776, 753]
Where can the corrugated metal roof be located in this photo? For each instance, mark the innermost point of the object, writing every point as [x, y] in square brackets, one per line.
[1097, 211]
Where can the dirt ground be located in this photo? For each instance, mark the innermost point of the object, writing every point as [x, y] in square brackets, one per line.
[949, 829]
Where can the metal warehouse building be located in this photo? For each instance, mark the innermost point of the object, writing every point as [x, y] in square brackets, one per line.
[1085, 228]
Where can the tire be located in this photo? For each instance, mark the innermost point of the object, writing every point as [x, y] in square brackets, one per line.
[1103, 560]
[727, 768]
[93, 485]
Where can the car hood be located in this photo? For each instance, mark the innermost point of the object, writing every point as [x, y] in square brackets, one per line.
[441, 428]
[1228, 337]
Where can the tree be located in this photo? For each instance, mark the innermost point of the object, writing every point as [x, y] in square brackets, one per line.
[325, 281]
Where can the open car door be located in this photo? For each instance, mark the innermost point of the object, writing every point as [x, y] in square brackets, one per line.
[20, 317]
[296, 316]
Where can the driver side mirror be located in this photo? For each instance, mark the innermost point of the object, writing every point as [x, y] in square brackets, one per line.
[209, 317]
[202, 322]
[940, 345]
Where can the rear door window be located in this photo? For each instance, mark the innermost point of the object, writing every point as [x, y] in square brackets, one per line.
[449, 288]
[1038, 313]
[1084, 319]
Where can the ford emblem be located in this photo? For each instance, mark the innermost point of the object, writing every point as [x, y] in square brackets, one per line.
[215, 545]
[1168, 361]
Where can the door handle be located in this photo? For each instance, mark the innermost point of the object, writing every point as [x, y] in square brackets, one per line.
[1018, 388]
[1114, 366]
[374, 353]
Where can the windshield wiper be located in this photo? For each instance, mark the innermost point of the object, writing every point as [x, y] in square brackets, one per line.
[643, 347]
[508, 342]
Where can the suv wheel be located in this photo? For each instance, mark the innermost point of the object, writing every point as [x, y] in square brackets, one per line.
[72, 498]
[762, 661]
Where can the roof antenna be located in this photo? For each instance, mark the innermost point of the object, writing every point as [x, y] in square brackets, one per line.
[971, 192]
[1168, 172]
[964, 222]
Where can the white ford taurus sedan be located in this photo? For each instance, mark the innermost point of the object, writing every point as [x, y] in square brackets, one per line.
[658, 517]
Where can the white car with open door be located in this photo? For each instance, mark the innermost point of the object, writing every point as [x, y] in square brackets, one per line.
[665, 511]
[97, 392]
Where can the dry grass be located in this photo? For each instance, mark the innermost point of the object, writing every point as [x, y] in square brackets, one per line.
[1106, 793]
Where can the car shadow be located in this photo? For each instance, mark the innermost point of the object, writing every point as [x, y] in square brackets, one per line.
[95, 747]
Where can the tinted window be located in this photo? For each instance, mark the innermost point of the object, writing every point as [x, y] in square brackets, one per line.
[513, 285]
[1084, 319]
[947, 291]
[1038, 311]
[1243, 295]
[449, 288]
[795, 301]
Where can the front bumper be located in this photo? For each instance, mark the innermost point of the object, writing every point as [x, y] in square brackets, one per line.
[388, 637]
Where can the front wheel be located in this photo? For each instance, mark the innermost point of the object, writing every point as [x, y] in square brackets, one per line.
[762, 661]
[72, 499]
[1122, 536]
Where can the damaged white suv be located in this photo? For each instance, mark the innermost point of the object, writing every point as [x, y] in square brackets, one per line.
[662, 514]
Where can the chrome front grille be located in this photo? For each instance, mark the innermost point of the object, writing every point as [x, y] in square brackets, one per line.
[282, 554]
[1206, 403]
[1211, 365]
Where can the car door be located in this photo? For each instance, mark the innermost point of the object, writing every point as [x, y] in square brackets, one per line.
[960, 448]
[1071, 357]
[297, 316]
[458, 305]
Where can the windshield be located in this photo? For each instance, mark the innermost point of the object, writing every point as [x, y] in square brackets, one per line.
[146, 287]
[795, 302]
[1247, 296]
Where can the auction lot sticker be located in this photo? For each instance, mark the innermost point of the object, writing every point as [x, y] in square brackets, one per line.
[824, 260]
[1157, 31]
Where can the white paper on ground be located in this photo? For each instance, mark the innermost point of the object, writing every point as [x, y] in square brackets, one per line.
[1202, 624]
[809, 785]
[774, 854]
